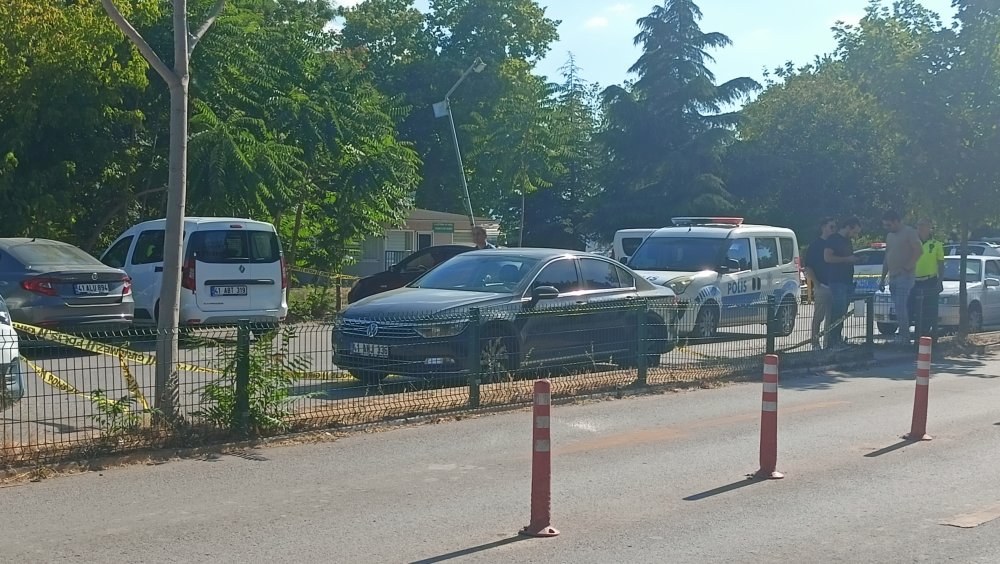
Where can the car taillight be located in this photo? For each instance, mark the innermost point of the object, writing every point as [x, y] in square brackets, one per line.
[39, 285]
[187, 275]
[126, 286]
[284, 273]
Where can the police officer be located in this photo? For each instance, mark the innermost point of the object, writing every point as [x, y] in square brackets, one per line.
[929, 279]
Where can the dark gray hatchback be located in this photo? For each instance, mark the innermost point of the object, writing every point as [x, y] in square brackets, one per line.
[530, 308]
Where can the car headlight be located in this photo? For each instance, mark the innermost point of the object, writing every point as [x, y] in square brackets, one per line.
[441, 329]
[678, 285]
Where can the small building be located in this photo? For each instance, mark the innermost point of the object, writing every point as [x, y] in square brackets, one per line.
[422, 229]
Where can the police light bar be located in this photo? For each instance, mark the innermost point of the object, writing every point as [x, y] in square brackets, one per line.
[686, 221]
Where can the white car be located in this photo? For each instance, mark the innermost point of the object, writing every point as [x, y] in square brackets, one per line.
[11, 367]
[983, 299]
[234, 270]
[984, 248]
[724, 271]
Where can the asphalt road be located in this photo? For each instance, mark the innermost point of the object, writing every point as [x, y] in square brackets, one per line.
[48, 415]
[653, 479]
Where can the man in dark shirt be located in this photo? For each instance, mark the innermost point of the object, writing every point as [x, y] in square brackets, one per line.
[815, 267]
[839, 258]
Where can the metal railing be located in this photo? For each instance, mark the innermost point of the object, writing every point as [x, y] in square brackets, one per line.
[393, 257]
[95, 393]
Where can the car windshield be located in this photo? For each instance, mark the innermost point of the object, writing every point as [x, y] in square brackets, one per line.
[686, 254]
[869, 257]
[972, 250]
[41, 253]
[973, 270]
[479, 273]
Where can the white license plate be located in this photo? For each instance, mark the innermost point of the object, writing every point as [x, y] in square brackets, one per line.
[370, 349]
[91, 289]
[228, 290]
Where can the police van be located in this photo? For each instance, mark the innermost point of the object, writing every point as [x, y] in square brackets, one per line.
[724, 271]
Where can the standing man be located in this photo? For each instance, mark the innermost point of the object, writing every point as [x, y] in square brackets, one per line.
[816, 274]
[929, 277]
[839, 258]
[479, 236]
[902, 251]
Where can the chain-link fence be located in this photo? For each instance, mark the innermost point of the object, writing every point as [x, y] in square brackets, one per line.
[98, 393]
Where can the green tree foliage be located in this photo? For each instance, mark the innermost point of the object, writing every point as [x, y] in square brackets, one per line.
[665, 134]
[68, 114]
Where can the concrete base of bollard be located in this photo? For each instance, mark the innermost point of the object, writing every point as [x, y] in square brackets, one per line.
[910, 437]
[538, 532]
[765, 475]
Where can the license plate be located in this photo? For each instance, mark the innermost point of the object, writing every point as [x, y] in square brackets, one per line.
[370, 349]
[91, 289]
[228, 290]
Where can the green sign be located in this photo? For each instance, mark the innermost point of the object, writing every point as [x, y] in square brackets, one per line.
[444, 228]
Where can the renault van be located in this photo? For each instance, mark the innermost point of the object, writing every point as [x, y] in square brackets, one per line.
[233, 270]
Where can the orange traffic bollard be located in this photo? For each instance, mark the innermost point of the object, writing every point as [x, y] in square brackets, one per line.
[541, 465]
[918, 425]
[769, 421]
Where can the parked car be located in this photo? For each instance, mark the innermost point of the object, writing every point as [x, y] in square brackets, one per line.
[422, 329]
[405, 271]
[980, 248]
[725, 270]
[982, 275]
[233, 270]
[11, 367]
[58, 286]
[626, 241]
[868, 269]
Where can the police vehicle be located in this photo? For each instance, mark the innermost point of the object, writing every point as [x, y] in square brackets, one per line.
[724, 271]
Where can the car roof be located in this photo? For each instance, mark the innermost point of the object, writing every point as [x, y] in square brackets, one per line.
[8, 242]
[721, 231]
[199, 220]
[531, 252]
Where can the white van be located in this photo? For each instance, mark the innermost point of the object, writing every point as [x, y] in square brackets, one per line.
[233, 270]
[628, 240]
[724, 271]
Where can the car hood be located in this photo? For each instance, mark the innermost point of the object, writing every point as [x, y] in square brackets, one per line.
[405, 303]
[952, 287]
[661, 277]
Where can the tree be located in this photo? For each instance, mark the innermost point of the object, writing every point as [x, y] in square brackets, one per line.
[177, 79]
[664, 135]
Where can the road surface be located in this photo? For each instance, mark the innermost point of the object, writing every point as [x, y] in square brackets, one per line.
[656, 478]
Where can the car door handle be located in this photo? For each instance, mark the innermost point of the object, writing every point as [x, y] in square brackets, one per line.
[581, 302]
[158, 269]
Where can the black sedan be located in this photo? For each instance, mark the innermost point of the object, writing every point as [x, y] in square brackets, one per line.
[504, 310]
[405, 271]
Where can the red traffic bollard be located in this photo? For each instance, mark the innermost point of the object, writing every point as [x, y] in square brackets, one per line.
[918, 425]
[769, 421]
[541, 465]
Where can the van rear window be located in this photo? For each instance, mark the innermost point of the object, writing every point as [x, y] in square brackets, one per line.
[232, 246]
[630, 244]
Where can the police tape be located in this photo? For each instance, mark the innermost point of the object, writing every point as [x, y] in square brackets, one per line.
[133, 386]
[315, 272]
[89, 345]
[62, 385]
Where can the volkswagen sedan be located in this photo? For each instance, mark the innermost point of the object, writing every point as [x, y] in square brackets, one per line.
[503, 310]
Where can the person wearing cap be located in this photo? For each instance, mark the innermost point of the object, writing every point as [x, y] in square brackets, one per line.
[929, 277]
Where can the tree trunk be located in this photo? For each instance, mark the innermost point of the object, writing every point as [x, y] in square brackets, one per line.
[293, 252]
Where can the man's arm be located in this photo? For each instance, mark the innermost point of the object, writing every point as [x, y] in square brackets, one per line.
[916, 249]
[831, 258]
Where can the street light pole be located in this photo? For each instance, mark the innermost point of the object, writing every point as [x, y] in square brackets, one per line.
[445, 107]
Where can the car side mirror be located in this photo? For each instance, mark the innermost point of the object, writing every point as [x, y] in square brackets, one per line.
[731, 265]
[394, 269]
[993, 282]
[539, 293]
[624, 260]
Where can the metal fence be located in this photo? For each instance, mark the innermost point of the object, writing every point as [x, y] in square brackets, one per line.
[96, 393]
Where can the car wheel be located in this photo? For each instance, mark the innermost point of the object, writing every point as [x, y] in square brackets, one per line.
[496, 357]
[887, 328]
[706, 323]
[975, 318]
[368, 377]
[786, 318]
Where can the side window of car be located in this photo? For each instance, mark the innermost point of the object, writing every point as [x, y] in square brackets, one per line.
[787, 249]
[767, 252]
[625, 279]
[992, 269]
[739, 250]
[116, 255]
[560, 274]
[149, 247]
[599, 275]
[418, 262]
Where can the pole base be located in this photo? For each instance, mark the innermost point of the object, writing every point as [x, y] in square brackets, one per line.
[546, 531]
[765, 475]
[914, 437]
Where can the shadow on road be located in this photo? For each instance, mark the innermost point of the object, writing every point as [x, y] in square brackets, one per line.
[890, 448]
[468, 551]
[723, 489]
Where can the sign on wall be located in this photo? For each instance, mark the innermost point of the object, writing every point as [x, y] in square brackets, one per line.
[444, 227]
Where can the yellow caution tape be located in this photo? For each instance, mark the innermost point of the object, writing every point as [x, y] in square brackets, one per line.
[60, 384]
[102, 348]
[133, 386]
[315, 272]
